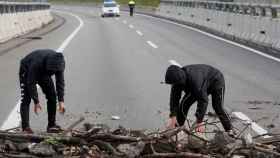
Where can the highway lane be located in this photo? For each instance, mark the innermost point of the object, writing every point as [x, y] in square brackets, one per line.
[115, 65]
[249, 76]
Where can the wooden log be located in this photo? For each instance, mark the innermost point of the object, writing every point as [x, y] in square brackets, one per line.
[35, 138]
[19, 155]
[113, 138]
[268, 140]
[73, 125]
[92, 131]
[267, 151]
[107, 147]
[176, 155]
[155, 136]
[190, 133]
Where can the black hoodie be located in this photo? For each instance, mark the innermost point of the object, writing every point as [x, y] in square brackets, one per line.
[41, 63]
[198, 80]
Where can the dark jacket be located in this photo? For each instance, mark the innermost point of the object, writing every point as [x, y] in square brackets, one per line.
[198, 80]
[40, 64]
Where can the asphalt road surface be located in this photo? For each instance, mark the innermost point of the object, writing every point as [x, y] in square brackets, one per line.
[115, 66]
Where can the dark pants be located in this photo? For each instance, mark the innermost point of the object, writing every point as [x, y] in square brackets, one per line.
[217, 104]
[131, 10]
[47, 85]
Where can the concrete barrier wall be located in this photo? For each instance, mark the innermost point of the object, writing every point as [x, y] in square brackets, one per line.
[20, 18]
[254, 23]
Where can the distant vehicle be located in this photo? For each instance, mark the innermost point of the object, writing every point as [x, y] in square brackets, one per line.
[110, 8]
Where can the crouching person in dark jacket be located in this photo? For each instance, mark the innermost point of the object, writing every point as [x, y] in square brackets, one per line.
[197, 81]
[37, 68]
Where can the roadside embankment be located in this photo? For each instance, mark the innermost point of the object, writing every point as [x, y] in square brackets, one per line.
[17, 19]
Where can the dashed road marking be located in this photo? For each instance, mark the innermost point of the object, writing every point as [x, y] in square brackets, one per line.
[125, 22]
[139, 33]
[72, 35]
[217, 37]
[131, 26]
[152, 44]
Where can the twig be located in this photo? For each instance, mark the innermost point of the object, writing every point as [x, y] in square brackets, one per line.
[189, 125]
[266, 151]
[213, 123]
[233, 149]
[11, 129]
[70, 128]
[163, 134]
[236, 145]
[108, 147]
[200, 138]
[19, 156]
[153, 149]
[38, 138]
[172, 132]
[113, 138]
[269, 140]
[243, 130]
[92, 131]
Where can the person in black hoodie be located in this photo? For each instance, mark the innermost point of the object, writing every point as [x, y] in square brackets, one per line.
[197, 81]
[37, 68]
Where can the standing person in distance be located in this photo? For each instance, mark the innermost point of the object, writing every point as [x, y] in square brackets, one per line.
[131, 5]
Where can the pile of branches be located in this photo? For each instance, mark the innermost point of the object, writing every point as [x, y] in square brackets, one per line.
[99, 141]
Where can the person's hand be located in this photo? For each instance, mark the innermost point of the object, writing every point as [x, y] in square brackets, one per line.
[37, 108]
[61, 108]
[199, 127]
[172, 121]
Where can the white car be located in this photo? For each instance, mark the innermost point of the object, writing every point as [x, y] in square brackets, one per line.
[110, 9]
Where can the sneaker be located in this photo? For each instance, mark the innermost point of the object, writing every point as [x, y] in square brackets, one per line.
[54, 129]
[27, 130]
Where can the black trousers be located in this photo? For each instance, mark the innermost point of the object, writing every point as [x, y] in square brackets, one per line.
[217, 104]
[131, 10]
[47, 86]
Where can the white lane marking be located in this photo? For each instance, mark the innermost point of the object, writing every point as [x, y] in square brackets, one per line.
[124, 21]
[139, 33]
[117, 18]
[13, 119]
[152, 44]
[173, 62]
[258, 129]
[218, 38]
[131, 26]
[73, 34]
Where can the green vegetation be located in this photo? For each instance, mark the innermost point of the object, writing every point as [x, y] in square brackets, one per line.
[138, 2]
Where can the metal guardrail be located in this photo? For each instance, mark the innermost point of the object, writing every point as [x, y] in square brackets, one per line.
[17, 7]
[254, 24]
